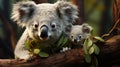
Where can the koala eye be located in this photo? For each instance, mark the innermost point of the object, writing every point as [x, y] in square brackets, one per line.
[35, 25]
[30, 5]
[24, 5]
[72, 37]
[53, 25]
[80, 36]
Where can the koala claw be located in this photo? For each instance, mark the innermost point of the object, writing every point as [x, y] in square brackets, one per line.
[25, 56]
[30, 59]
[65, 49]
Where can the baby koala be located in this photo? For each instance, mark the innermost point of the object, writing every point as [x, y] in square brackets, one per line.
[79, 33]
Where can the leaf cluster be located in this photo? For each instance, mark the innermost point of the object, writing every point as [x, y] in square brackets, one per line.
[35, 48]
[91, 49]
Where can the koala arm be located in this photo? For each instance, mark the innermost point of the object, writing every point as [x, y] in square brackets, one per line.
[20, 52]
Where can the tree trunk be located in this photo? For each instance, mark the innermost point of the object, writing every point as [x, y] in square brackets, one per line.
[116, 19]
[80, 5]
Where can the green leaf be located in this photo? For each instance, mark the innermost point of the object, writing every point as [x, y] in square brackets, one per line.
[64, 41]
[87, 58]
[91, 50]
[96, 49]
[89, 43]
[95, 62]
[27, 44]
[85, 46]
[91, 32]
[60, 41]
[36, 51]
[43, 54]
[99, 38]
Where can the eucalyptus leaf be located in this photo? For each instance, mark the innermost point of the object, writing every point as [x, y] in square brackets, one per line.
[43, 54]
[60, 41]
[64, 41]
[89, 43]
[87, 58]
[91, 32]
[95, 62]
[96, 49]
[85, 46]
[27, 45]
[99, 38]
[36, 51]
[91, 50]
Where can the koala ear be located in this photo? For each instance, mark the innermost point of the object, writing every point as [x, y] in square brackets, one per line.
[86, 28]
[67, 11]
[22, 12]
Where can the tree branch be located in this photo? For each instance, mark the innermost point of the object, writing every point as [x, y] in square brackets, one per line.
[110, 50]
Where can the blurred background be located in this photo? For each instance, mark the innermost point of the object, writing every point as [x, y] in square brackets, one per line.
[97, 13]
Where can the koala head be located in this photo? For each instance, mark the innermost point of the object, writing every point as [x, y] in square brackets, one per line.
[79, 33]
[45, 21]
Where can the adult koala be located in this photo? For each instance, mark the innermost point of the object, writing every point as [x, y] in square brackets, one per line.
[44, 23]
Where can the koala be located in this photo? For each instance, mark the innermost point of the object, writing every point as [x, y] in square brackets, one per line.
[77, 36]
[79, 33]
[43, 23]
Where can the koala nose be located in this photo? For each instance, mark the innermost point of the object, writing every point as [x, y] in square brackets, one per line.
[75, 40]
[44, 32]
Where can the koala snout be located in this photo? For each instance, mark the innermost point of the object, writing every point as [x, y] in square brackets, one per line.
[44, 32]
[75, 40]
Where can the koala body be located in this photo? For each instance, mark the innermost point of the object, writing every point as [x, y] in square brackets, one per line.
[79, 33]
[44, 23]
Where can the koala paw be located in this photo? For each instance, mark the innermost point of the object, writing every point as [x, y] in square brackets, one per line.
[30, 57]
[25, 55]
[65, 49]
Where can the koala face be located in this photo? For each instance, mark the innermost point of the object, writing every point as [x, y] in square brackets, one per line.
[45, 30]
[79, 33]
[45, 22]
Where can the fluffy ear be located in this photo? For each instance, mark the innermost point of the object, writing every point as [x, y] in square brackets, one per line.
[86, 28]
[67, 11]
[22, 12]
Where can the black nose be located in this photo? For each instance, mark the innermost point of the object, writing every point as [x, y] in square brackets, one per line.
[44, 32]
[75, 40]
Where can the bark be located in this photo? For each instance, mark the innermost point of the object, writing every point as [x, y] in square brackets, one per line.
[116, 18]
[116, 10]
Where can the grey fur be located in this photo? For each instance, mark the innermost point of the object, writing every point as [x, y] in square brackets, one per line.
[79, 33]
[60, 14]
